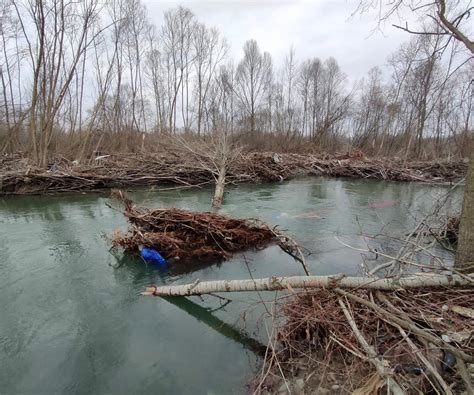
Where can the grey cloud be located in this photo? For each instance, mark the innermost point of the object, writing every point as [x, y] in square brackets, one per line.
[320, 28]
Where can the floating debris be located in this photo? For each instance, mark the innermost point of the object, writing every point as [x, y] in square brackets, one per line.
[189, 235]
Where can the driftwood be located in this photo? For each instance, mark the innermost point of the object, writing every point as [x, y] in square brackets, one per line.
[289, 283]
[20, 176]
[410, 334]
[380, 364]
[408, 340]
[183, 235]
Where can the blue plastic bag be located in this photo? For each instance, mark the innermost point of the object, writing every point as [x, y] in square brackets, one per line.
[151, 255]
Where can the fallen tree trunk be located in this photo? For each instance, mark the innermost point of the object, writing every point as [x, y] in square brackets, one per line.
[337, 281]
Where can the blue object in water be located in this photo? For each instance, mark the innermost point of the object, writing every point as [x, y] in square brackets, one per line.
[151, 255]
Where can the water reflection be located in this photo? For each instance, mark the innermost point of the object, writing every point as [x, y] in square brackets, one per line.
[205, 315]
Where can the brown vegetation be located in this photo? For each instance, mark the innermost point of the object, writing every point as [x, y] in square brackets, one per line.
[422, 337]
[117, 82]
[188, 235]
[21, 176]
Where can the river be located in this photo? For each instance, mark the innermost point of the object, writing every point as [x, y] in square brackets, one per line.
[72, 319]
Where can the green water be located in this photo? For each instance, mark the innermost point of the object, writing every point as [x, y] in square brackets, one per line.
[72, 320]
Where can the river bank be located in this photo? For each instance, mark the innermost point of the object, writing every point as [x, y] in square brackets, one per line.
[333, 341]
[19, 176]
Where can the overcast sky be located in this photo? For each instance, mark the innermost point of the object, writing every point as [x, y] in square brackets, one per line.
[318, 28]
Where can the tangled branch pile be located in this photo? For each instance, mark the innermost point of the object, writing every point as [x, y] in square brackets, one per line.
[418, 340]
[188, 235]
[19, 176]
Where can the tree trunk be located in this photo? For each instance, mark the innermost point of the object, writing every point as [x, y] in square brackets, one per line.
[283, 283]
[220, 183]
[465, 250]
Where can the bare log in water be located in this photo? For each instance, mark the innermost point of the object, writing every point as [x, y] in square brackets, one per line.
[283, 283]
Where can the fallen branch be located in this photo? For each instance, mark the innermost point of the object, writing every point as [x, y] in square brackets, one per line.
[183, 235]
[425, 361]
[292, 248]
[282, 283]
[395, 336]
[380, 364]
[407, 324]
[173, 167]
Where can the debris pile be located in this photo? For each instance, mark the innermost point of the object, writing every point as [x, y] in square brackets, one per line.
[20, 176]
[420, 340]
[188, 235]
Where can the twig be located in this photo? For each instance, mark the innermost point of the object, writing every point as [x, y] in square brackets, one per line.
[406, 324]
[380, 364]
[423, 359]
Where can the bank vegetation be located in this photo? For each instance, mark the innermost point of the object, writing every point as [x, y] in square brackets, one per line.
[80, 79]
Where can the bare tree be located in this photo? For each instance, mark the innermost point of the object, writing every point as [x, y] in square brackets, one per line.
[11, 60]
[335, 102]
[135, 30]
[370, 112]
[225, 83]
[290, 80]
[156, 72]
[304, 90]
[210, 50]
[177, 36]
[215, 154]
[450, 20]
[315, 70]
[61, 31]
[451, 17]
[250, 81]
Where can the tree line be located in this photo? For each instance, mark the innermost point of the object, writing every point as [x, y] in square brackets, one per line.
[93, 72]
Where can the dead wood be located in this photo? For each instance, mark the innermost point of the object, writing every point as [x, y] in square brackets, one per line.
[188, 235]
[19, 176]
[336, 281]
[409, 336]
